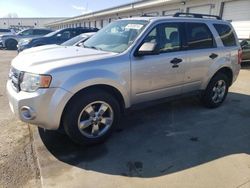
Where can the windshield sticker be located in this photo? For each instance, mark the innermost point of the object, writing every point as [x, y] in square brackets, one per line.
[134, 26]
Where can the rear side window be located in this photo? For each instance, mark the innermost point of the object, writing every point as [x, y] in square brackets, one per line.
[199, 36]
[226, 34]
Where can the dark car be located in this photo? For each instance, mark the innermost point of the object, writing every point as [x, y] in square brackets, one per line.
[56, 37]
[78, 40]
[10, 40]
[245, 45]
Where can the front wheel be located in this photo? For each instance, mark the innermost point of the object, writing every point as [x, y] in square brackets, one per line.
[216, 91]
[91, 116]
[11, 44]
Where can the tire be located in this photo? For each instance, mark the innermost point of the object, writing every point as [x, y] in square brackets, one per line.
[216, 91]
[81, 108]
[11, 44]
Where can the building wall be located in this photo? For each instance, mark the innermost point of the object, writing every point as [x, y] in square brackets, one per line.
[6, 23]
[163, 7]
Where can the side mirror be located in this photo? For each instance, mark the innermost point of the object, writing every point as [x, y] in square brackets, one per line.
[148, 48]
[59, 35]
[81, 44]
[243, 44]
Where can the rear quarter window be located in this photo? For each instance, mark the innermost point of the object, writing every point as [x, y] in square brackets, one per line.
[226, 34]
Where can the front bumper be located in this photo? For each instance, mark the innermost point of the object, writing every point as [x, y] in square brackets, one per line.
[43, 107]
[20, 48]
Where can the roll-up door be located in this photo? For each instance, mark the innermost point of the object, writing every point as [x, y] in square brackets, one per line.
[203, 9]
[238, 13]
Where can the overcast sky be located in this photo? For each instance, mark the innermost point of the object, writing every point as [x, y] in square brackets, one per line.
[55, 8]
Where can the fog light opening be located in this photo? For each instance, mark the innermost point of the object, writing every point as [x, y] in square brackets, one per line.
[27, 113]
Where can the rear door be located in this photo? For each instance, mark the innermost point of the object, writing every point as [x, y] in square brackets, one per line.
[201, 53]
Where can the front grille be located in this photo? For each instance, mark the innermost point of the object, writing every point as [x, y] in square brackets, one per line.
[15, 76]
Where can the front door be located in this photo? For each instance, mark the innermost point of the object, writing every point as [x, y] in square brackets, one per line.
[159, 75]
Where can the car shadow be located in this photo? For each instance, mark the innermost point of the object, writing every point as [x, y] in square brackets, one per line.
[162, 139]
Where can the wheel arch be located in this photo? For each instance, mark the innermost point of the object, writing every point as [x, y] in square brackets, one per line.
[228, 72]
[108, 88]
[225, 70]
[10, 39]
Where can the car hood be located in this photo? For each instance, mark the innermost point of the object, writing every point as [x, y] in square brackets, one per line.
[45, 58]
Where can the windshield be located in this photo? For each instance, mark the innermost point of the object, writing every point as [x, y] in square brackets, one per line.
[117, 36]
[74, 40]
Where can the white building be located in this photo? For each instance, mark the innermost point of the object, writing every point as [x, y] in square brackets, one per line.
[21, 23]
[236, 11]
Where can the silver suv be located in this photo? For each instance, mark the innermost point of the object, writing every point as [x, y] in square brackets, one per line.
[83, 90]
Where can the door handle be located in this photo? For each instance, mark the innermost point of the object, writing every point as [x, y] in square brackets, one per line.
[213, 56]
[176, 61]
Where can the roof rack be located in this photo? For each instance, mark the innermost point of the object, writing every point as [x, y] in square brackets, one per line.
[194, 15]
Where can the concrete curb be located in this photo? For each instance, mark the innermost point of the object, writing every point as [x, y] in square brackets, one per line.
[36, 143]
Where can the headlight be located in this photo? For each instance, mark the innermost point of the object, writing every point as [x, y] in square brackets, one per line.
[31, 82]
[24, 41]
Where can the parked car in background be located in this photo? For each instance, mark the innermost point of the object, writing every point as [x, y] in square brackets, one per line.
[11, 40]
[245, 45]
[78, 40]
[56, 37]
[133, 60]
[5, 31]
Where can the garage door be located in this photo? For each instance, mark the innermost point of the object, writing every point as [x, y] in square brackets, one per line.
[238, 12]
[204, 9]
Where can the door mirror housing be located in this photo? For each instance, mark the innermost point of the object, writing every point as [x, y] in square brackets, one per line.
[58, 35]
[244, 44]
[147, 48]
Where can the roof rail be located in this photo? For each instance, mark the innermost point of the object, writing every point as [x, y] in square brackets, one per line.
[194, 15]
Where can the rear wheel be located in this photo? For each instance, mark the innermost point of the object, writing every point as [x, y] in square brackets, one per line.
[91, 116]
[216, 91]
[11, 44]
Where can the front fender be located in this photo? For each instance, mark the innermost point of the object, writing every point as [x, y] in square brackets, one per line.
[88, 78]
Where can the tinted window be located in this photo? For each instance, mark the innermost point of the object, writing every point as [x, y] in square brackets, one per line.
[226, 34]
[41, 32]
[199, 36]
[66, 35]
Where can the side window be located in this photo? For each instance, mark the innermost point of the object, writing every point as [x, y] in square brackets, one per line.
[152, 36]
[27, 32]
[40, 32]
[199, 36]
[74, 33]
[226, 34]
[170, 40]
[66, 35]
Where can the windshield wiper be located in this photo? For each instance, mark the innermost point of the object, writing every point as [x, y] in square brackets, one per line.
[92, 47]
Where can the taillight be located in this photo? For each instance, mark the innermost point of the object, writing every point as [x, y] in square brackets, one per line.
[239, 56]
